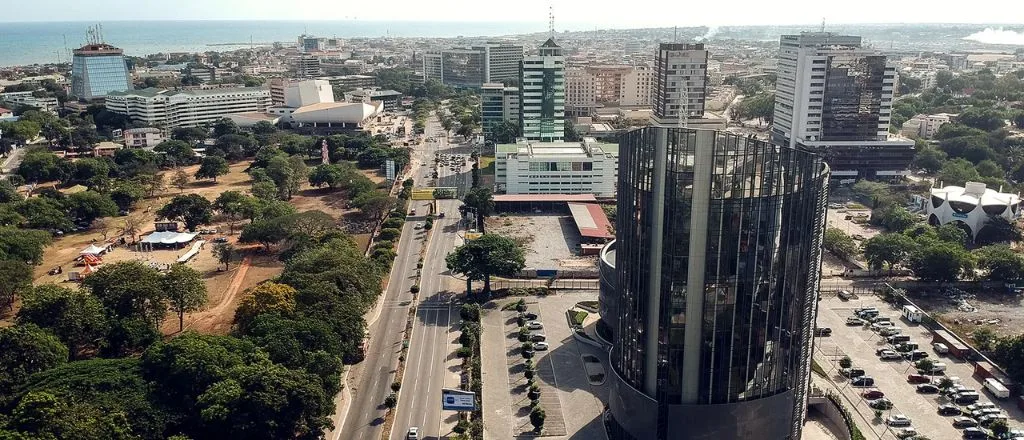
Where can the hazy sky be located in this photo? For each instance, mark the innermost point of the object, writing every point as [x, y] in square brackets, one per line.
[619, 14]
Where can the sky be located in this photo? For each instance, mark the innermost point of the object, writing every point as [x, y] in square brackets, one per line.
[604, 13]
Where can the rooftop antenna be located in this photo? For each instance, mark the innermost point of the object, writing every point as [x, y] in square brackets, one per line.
[675, 34]
[823, 24]
[551, 20]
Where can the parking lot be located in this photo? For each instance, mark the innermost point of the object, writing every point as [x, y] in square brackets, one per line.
[860, 344]
[572, 403]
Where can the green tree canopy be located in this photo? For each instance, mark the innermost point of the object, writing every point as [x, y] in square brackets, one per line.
[15, 277]
[77, 318]
[1000, 262]
[839, 243]
[957, 172]
[129, 289]
[23, 244]
[212, 167]
[943, 262]
[488, 255]
[267, 297]
[176, 152]
[887, 250]
[192, 209]
[185, 291]
[87, 206]
[26, 350]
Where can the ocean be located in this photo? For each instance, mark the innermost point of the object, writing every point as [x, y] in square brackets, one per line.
[38, 42]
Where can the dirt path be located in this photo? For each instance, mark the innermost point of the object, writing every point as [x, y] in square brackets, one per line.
[204, 319]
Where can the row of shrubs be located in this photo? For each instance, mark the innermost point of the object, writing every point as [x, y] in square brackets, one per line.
[470, 354]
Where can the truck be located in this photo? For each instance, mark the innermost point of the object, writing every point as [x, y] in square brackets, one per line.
[997, 388]
[912, 314]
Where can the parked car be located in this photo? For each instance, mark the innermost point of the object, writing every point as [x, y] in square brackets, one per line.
[907, 346]
[890, 331]
[927, 389]
[852, 372]
[897, 420]
[975, 434]
[965, 398]
[873, 394]
[863, 381]
[918, 379]
[915, 355]
[907, 432]
[889, 355]
[534, 325]
[882, 404]
[940, 348]
[878, 326]
[949, 409]
[898, 339]
[853, 320]
[540, 346]
[957, 388]
[822, 331]
[964, 422]
[987, 420]
[982, 412]
[528, 315]
[538, 337]
[980, 405]
[845, 295]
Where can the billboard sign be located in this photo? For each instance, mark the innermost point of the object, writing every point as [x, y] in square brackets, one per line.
[389, 170]
[457, 400]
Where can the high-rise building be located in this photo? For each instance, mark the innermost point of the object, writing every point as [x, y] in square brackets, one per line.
[474, 66]
[98, 69]
[497, 104]
[835, 97]
[709, 293]
[680, 82]
[306, 66]
[542, 94]
[588, 88]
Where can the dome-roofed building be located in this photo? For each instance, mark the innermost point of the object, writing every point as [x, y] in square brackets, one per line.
[971, 205]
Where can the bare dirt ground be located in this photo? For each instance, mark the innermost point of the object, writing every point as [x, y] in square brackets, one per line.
[225, 287]
[551, 241]
[995, 309]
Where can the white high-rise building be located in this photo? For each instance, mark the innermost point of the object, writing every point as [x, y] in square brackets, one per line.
[307, 92]
[542, 94]
[835, 97]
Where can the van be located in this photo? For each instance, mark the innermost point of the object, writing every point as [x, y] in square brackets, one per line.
[997, 388]
[890, 331]
[868, 313]
[966, 398]
[938, 367]
[940, 348]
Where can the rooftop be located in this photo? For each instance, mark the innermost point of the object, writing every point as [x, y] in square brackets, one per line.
[154, 92]
[560, 149]
[591, 220]
[536, 198]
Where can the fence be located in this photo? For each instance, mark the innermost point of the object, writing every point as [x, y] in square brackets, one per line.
[557, 284]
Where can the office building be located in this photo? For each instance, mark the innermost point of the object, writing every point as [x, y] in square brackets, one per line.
[391, 100]
[709, 293]
[146, 137]
[542, 94]
[98, 69]
[680, 83]
[15, 99]
[475, 66]
[306, 66]
[350, 82]
[187, 108]
[835, 98]
[497, 104]
[925, 126]
[527, 167]
[591, 87]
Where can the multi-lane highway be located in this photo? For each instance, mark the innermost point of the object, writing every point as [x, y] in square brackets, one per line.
[370, 380]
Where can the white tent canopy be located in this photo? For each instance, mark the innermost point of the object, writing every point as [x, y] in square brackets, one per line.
[169, 237]
[94, 250]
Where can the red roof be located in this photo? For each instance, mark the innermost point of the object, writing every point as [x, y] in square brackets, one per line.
[4, 110]
[591, 220]
[544, 198]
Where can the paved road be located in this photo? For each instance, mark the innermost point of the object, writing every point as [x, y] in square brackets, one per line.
[371, 379]
[436, 324]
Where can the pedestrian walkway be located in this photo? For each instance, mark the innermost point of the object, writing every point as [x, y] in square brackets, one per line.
[496, 400]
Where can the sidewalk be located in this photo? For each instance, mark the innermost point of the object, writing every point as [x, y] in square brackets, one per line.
[453, 372]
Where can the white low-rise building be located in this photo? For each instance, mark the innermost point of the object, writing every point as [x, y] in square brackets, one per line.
[587, 167]
[187, 108]
[147, 137]
[971, 205]
[925, 126]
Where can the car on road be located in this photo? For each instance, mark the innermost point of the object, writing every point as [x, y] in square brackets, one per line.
[927, 389]
[528, 315]
[540, 346]
[413, 434]
[419, 226]
[863, 381]
[853, 320]
[964, 422]
[534, 325]
[949, 409]
[915, 379]
[897, 420]
[873, 394]
[882, 404]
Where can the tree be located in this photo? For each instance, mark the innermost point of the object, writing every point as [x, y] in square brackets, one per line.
[537, 417]
[264, 190]
[185, 290]
[488, 255]
[988, 168]
[984, 338]
[25, 350]
[129, 289]
[268, 297]
[326, 174]
[126, 194]
[234, 205]
[929, 159]
[44, 213]
[15, 277]
[180, 180]
[40, 166]
[211, 167]
[87, 206]
[887, 250]
[130, 225]
[942, 262]
[957, 172]
[224, 127]
[482, 200]
[1001, 263]
[225, 253]
[23, 244]
[985, 119]
[894, 218]
[74, 316]
[264, 127]
[264, 231]
[374, 204]
[505, 132]
[176, 152]
[999, 428]
[998, 230]
[192, 209]
[839, 243]
[189, 135]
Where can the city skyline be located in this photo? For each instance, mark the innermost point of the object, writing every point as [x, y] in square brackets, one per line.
[569, 13]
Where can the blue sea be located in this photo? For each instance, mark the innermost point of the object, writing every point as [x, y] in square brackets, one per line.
[38, 42]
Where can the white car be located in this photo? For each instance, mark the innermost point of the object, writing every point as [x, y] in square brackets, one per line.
[889, 355]
[905, 432]
[540, 346]
[534, 325]
[413, 434]
[897, 420]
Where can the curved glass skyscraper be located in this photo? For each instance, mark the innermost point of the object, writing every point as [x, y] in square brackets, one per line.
[714, 296]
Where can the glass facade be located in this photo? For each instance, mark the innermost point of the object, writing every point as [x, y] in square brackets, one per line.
[96, 76]
[852, 100]
[716, 270]
[463, 68]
